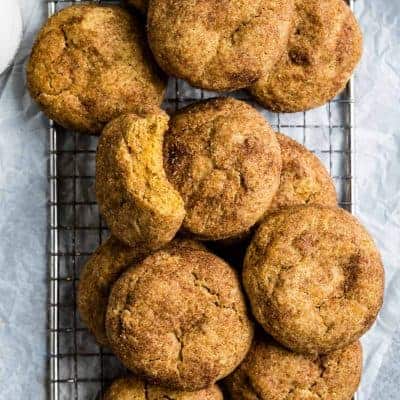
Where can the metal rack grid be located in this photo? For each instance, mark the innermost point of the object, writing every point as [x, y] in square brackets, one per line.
[78, 368]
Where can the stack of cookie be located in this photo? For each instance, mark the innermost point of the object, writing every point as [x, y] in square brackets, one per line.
[214, 175]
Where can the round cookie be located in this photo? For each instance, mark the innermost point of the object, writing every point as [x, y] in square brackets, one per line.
[314, 278]
[270, 371]
[100, 272]
[133, 388]
[224, 159]
[90, 64]
[324, 47]
[218, 45]
[135, 198]
[304, 179]
[179, 319]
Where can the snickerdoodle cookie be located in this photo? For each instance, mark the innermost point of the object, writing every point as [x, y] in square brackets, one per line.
[179, 319]
[100, 272]
[98, 275]
[133, 388]
[324, 48]
[224, 159]
[135, 198]
[271, 372]
[314, 278]
[218, 45]
[90, 64]
[304, 179]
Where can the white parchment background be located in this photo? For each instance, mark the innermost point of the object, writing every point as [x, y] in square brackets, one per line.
[23, 223]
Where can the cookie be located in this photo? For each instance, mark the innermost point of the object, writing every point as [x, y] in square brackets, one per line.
[218, 45]
[179, 319]
[135, 198]
[100, 272]
[270, 371]
[304, 179]
[90, 64]
[141, 5]
[224, 159]
[314, 278]
[102, 269]
[133, 388]
[324, 48]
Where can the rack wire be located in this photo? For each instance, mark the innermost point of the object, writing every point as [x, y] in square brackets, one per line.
[78, 368]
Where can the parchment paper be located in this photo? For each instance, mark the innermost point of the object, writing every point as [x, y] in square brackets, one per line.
[378, 184]
[23, 214]
[23, 227]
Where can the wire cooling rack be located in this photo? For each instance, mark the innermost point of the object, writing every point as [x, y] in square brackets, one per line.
[78, 368]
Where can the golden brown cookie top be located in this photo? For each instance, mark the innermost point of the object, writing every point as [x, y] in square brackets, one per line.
[90, 64]
[324, 48]
[270, 371]
[218, 45]
[99, 273]
[133, 388]
[304, 179]
[314, 278]
[224, 159]
[179, 319]
[135, 198]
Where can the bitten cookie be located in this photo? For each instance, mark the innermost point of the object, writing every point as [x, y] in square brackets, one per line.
[324, 48]
[179, 319]
[135, 198]
[270, 371]
[304, 179]
[314, 278]
[224, 159]
[90, 64]
[218, 45]
[100, 272]
[133, 388]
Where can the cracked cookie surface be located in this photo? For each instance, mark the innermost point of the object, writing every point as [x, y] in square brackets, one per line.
[314, 278]
[325, 45]
[218, 45]
[179, 319]
[304, 179]
[133, 388]
[100, 272]
[224, 159]
[90, 64]
[137, 201]
[271, 372]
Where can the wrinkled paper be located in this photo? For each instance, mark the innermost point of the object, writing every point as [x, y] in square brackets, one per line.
[24, 189]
